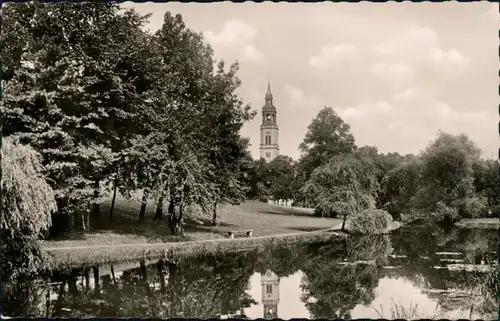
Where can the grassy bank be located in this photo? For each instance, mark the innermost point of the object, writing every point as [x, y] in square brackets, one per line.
[107, 254]
[125, 228]
[484, 223]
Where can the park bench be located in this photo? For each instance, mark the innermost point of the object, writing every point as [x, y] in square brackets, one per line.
[232, 233]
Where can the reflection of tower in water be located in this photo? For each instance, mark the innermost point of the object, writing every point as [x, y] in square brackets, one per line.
[270, 294]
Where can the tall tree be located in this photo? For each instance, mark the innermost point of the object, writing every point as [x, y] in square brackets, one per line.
[342, 187]
[448, 175]
[196, 112]
[282, 175]
[399, 185]
[486, 182]
[327, 136]
[383, 163]
[71, 93]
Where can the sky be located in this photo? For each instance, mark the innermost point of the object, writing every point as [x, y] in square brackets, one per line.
[397, 73]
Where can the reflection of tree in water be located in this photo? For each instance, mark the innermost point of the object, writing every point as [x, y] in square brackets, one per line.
[416, 241]
[453, 289]
[23, 298]
[196, 288]
[368, 248]
[332, 289]
[213, 285]
[208, 286]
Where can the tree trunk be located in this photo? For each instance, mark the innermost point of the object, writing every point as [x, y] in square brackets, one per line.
[113, 274]
[86, 272]
[343, 223]
[115, 186]
[172, 280]
[181, 219]
[144, 272]
[144, 275]
[144, 202]
[106, 281]
[161, 275]
[47, 300]
[72, 284]
[95, 206]
[96, 281]
[85, 219]
[214, 217]
[58, 306]
[176, 228]
[159, 209]
[171, 210]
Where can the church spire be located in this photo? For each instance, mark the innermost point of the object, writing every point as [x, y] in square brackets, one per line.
[269, 95]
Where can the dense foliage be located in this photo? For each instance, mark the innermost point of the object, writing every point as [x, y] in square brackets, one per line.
[369, 222]
[108, 104]
[27, 202]
[100, 105]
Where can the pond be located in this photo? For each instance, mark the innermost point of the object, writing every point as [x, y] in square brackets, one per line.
[415, 272]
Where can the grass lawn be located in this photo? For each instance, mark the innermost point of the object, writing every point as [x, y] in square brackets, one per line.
[124, 228]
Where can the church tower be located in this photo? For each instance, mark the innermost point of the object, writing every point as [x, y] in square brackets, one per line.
[270, 294]
[269, 147]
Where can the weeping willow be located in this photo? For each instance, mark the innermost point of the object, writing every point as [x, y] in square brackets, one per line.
[27, 199]
[28, 202]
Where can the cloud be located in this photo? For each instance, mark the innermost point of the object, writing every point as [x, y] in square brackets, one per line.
[404, 96]
[297, 98]
[334, 53]
[252, 54]
[235, 40]
[367, 109]
[391, 125]
[452, 55]
[398, 74]
[233, 31]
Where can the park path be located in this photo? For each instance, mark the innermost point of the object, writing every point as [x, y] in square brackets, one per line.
[51, 249]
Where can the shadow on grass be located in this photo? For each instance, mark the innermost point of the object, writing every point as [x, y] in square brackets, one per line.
[305, 228]
[153, 231]
[71, 236]
[287, 214]
[125, 222]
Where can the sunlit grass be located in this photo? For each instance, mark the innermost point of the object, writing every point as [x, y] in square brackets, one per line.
[125, 228]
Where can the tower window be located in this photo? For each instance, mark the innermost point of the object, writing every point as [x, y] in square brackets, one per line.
[268, 155]
[268, 138]
[269, 288]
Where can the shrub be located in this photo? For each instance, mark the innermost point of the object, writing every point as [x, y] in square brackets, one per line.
[371, 221]
[472, 207]
[445, 213]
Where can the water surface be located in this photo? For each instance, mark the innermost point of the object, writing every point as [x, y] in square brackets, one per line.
[416, 272]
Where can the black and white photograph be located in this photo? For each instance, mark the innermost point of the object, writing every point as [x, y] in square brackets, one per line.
[253, 160]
